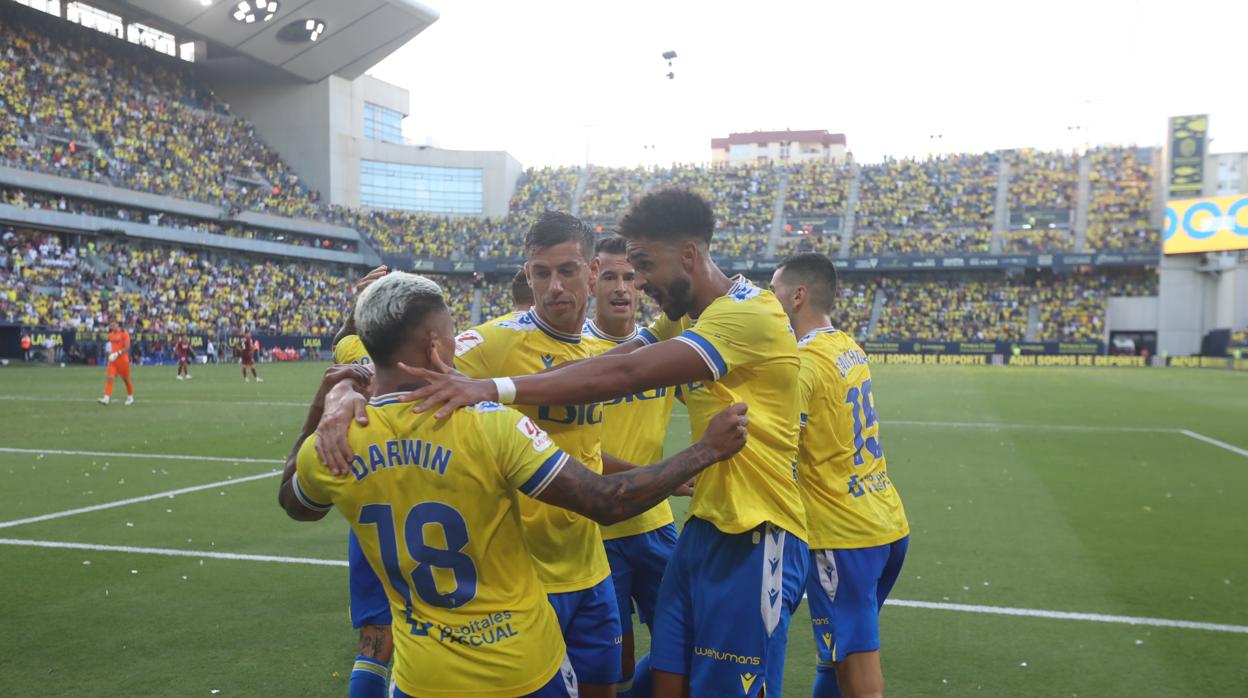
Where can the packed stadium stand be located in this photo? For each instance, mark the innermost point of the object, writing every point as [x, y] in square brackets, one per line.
[80, 105]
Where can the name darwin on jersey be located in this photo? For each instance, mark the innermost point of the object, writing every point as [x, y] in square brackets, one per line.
[402, 452]
[490, 630]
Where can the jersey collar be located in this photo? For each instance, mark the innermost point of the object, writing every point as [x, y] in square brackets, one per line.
[818, 330]
[593, 329]
[383, 400]
[550, 331]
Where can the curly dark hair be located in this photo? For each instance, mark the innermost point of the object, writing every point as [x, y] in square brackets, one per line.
[669, 215]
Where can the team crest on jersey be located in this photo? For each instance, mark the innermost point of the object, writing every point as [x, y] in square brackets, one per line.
[533, 433]
[465, 342]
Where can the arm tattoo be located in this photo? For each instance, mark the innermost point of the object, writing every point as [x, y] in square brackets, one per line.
[610, 499]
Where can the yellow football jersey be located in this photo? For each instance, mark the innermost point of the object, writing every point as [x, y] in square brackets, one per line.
[635, 427]
[745, 339]
[434, 506]
[567, 546]
[350, 350]
[850, 502]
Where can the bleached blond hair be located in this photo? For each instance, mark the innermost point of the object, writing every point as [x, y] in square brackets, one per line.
[390, 307]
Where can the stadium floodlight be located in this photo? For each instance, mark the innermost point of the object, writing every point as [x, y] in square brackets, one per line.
[302, 30]
[205, 3]
[264, 10]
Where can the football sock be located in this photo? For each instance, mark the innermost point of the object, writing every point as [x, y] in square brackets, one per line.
[825, 683]
[368, 678]
[108, 388]
[640, 687]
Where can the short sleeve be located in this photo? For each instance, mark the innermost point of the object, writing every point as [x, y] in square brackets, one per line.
[807, 380]
[729, 335]
[526, 456]
[662, 328]
[471, 354]
[350, 350]
[313, 483]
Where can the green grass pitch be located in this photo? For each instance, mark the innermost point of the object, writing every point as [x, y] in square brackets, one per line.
[1125, 515]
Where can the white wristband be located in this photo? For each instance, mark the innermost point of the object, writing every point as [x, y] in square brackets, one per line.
[506, 390]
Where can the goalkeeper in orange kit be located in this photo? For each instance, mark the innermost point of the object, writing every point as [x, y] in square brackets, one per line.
[118, 362]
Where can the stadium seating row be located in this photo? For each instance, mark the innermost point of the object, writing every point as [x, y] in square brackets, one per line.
[47, 281]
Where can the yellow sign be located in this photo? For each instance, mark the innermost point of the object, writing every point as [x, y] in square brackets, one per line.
[1206, 225]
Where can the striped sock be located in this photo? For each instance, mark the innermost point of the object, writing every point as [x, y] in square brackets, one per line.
[368, 678]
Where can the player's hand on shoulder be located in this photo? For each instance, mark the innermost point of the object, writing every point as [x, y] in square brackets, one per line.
[370, 277]
[342, 404]
[727, 432]
[360, 376]
[447, 391]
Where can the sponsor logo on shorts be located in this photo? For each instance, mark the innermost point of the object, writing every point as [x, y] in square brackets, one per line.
[827, 640]
[721, 656]
[747, 680]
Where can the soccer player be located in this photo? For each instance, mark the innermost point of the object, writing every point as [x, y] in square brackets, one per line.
[435, 506]
[118, 362]
[744, 544]
[185, 353]
[857, 525]
[247, 350]
[521, 293]
[572, 562]
[370, 609]
[638, 550]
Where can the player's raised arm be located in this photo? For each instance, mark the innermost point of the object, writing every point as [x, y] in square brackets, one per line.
[610, 499]
[334, 376]
[600, 378]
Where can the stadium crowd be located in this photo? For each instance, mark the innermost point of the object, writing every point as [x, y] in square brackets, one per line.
[52, 282]
[942, 192]
[610, 190]
[816, 189]
[1042, 181]
[1120, 208]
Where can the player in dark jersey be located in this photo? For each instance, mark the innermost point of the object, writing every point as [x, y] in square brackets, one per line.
[184, 353]
[247, 350]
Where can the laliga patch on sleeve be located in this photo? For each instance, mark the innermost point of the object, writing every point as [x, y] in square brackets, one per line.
[466, 341]
[533, 433]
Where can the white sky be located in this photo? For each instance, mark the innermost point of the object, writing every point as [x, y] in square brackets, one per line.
[550, 80]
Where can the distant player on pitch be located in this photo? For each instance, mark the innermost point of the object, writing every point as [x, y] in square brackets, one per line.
[247, 350]
[184, 353]
[118, 349]
[857, 526]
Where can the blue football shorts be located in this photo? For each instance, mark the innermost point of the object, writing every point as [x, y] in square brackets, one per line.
[847, 589]
[724, 608]
[637, 565]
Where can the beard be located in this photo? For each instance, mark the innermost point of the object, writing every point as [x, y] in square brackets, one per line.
[679, 299]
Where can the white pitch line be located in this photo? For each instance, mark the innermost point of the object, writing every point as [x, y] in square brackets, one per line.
[962, 608]
[1037, 426]
[157, 456]
[46, 398]
[1215, 442]
[173, 553]
[133, 500]
[1067, 615]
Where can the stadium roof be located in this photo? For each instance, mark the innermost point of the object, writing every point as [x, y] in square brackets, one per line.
[358, 33]
[765, 137]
